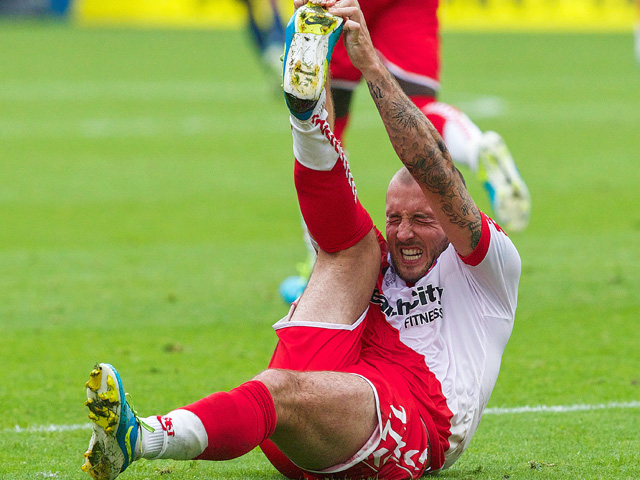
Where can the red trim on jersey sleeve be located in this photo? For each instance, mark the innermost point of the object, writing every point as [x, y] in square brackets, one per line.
[478, 254]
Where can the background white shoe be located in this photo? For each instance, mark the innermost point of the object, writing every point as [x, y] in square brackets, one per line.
[509, 195]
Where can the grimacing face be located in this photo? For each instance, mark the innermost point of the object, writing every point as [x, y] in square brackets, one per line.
[415, 237]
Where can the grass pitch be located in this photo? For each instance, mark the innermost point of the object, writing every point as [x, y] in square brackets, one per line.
[148, 215]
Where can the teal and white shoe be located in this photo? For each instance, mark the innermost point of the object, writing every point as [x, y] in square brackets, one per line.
[311, 34]
[509, 195]
[116, 427]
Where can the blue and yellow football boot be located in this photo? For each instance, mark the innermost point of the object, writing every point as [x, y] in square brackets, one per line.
[116, 427]
[311, 34]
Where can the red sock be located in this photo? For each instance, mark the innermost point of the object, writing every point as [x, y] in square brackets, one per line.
[236, 422]
[330, 207]
[437, 120]
[421, 100]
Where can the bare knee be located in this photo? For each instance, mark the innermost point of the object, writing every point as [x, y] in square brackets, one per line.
[313, 398]
[364, 254]
[324, 418]
[287, 392]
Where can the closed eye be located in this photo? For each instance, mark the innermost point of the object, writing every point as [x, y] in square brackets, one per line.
[424, 220]
[393, 220]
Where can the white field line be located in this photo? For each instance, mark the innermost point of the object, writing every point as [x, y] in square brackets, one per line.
[560, 408]
[139, 127]
[488, 411]
[48, 428]
[63, 91]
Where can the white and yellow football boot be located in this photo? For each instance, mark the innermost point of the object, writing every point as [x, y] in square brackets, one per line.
[311, 34]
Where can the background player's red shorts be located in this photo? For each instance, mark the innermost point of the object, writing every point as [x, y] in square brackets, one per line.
[399, 448]
[405, 32]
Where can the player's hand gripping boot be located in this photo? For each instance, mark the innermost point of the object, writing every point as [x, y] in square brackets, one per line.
[116, 427]
[310, 36]
[509, 196]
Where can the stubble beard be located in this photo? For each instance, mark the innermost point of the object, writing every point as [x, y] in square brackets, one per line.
[432, 253]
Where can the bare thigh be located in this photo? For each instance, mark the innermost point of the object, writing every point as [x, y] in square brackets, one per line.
[324, 418]
[341, 284]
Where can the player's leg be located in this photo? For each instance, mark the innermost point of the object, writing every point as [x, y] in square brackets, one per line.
[348, 251]
[487, 155]
[344, 80]
[318, 419]
[636, 31]
[348, 257]
[416, 67]
[324, 418]
[265, 25]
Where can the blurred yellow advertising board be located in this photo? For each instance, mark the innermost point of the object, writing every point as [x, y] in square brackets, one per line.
[165, 13]
[542, 15]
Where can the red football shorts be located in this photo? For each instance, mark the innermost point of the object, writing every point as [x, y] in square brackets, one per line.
[399, 448]
[405, 33]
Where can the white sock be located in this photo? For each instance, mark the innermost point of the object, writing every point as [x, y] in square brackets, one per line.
[178, 435]
[311, 146]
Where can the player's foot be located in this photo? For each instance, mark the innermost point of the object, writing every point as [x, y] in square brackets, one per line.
[116, 427]
[508, 193]
[311, 34]
[292, 287]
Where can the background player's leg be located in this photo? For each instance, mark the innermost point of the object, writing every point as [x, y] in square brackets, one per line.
[342, 104]
[344, 79]
[461, 136]
[636, 31]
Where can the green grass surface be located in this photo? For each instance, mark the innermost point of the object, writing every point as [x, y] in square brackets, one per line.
[147, 217]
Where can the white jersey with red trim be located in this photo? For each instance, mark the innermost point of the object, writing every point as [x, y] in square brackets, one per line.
[459, 316]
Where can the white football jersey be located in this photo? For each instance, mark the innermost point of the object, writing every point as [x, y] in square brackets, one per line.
[459, 316]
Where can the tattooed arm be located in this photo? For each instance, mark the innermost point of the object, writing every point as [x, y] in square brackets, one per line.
[421, 149]
[415, 140]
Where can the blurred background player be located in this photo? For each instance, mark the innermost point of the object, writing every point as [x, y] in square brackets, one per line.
[636, 31]
[406, 35]
[266, 22]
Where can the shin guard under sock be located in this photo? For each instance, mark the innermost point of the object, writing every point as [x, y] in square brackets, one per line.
[330, 207]
[236, 422]
[326, 190]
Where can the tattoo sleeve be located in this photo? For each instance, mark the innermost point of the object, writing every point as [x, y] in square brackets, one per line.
[421, 149]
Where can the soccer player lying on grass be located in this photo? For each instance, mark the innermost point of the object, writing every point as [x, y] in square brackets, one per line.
[386, 363]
